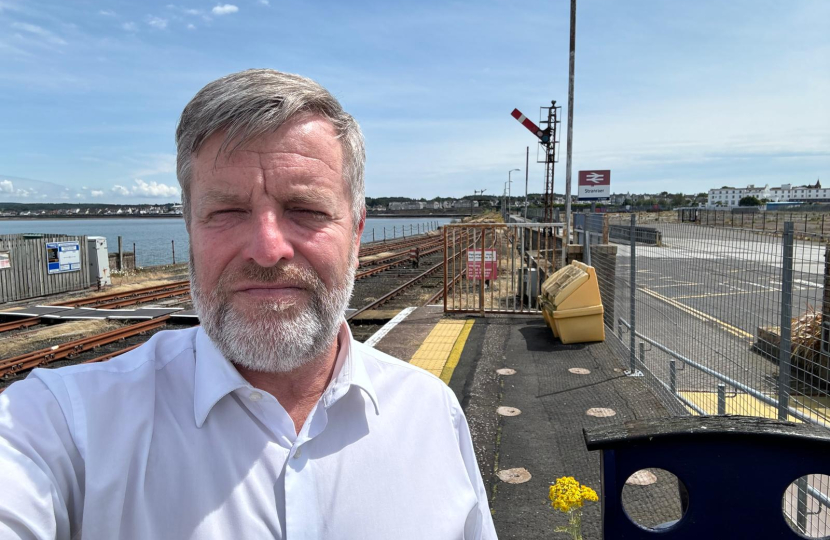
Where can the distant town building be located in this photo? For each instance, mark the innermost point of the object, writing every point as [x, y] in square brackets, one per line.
[730, 196]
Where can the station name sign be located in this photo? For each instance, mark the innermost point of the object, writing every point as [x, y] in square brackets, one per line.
[594, 185]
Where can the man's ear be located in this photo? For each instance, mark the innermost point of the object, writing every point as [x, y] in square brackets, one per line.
[360, 226]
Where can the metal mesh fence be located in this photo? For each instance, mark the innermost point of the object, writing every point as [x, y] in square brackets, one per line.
[496, 268]
[726, 320]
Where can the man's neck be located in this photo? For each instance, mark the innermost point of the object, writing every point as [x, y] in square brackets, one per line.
[298, 391]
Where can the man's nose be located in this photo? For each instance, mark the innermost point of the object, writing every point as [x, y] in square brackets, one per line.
[268, 243]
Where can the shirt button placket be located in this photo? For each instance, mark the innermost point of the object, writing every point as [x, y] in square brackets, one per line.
[301, 505]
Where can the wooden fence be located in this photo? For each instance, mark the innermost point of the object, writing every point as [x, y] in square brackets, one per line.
[24, 268]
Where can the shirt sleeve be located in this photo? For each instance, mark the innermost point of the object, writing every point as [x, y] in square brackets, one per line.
[40, 466]
[479, 525]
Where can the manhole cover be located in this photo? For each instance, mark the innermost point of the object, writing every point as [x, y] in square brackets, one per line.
[506, 371]
[514, 476]
[600, 412]
[641, 478]
[579, 371]
[508, 411]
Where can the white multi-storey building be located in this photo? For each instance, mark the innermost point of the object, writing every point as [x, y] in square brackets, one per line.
[730, 196]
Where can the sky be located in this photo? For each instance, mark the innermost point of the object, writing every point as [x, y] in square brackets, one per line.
[669, 96]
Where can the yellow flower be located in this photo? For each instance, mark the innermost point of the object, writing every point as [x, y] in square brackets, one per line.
[567, 494]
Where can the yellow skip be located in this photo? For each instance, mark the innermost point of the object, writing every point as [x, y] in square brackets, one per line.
[441, 350]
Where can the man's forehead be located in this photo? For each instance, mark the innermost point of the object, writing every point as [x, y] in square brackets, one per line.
[306, 141]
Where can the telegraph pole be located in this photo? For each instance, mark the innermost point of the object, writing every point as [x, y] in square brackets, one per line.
[567, 229]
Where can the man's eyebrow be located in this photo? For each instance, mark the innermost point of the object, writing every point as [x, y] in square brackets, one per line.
[313, 196]
[213, 197]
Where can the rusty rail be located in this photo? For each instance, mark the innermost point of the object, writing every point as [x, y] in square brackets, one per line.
[50, 354]
[102, 298]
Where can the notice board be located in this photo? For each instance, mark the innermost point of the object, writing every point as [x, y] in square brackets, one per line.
[63, 257]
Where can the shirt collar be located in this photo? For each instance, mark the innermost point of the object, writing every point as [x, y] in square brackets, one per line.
[217, 377]
[352, 373]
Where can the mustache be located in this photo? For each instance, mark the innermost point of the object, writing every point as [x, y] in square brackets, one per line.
[288, 274]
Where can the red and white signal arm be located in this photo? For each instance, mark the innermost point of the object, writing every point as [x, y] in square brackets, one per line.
[594, 185]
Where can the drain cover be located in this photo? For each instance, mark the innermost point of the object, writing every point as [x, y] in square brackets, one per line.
[508, 411]
[641, 478]
[514, 476]
[600, 412]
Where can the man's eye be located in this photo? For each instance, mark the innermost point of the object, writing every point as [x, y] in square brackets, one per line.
[316, 214]
[229, 212]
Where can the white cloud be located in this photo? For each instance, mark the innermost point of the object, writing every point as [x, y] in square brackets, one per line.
[129, 26]
[224, 9]
[107, 13]
[265, 2]
[191, 27]
[157, 22]
[80, 196]
[96, 193]
[193, 11]
[40, 32]
[146, 189]
[6, 186]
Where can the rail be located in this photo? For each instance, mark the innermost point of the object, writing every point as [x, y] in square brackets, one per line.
[45, 356]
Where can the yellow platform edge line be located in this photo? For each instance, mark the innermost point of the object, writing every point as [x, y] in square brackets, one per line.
[437, 346]
[457, 349]
[744, 405]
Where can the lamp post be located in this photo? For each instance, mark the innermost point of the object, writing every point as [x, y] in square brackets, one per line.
[509, 184]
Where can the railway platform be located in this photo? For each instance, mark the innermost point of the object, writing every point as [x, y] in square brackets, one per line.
[556, 390]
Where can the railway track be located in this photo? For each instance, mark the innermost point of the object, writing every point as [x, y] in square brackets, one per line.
[110, 301]
[42, 357]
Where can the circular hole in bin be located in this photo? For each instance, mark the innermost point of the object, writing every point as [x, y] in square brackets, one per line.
[806, 506]
[654, 499]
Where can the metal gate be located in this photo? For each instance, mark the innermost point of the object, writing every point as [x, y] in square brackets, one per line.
[498, 268]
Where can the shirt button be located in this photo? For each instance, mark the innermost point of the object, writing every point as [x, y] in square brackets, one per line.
[297, 453]
[255, 396]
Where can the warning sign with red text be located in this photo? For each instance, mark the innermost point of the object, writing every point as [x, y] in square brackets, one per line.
[491, 267]
[594, 185]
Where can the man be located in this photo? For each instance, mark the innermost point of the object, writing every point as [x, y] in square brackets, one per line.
[268, 421]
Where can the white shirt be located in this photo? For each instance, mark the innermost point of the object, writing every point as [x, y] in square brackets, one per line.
[169, 441]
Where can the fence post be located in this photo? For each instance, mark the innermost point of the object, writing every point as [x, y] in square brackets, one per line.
[776, 222]
[373, 234]
[721, 399]
[673, 376]
[801, 505]
[586, 247]
[805, 223]
[632, 340]
[120, 255]
[785, 347]
[135, 259]
[384, 234]
[173, 247]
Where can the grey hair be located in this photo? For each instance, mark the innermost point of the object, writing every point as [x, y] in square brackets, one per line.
[252, 103]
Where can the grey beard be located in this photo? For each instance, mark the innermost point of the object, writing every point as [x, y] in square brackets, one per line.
[275, 338]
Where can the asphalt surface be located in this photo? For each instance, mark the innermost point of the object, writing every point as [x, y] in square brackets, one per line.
[546, 438]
